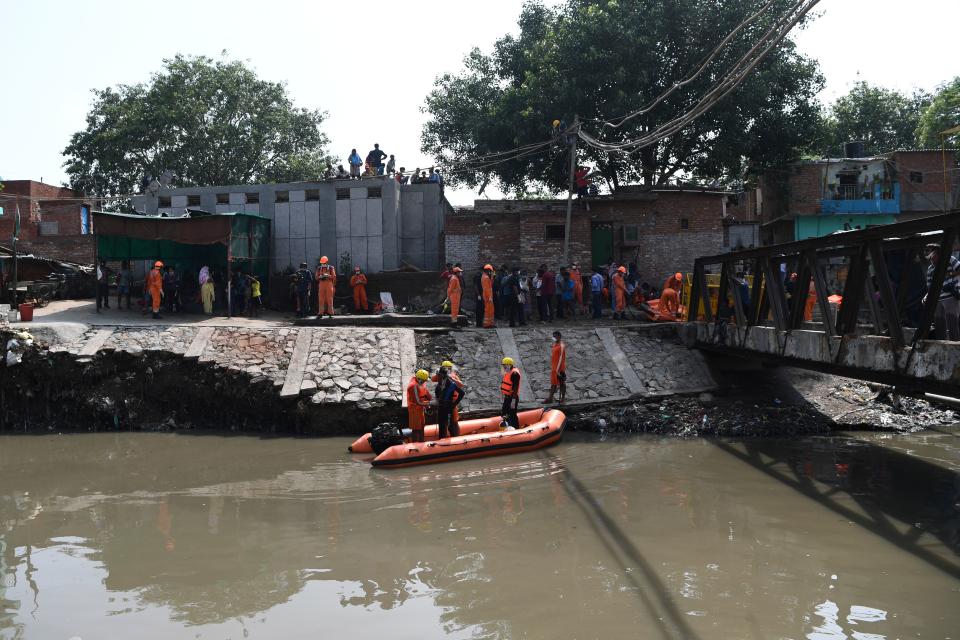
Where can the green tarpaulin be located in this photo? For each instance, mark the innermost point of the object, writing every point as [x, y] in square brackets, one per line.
[188, 243]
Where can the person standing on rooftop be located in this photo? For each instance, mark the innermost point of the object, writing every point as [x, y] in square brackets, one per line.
[375, 159]
[355, 163]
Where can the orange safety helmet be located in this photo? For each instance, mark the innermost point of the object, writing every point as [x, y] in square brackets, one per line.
[324, 260]
[488, 267]
[678, 275]
[622, 269]
[158, 265]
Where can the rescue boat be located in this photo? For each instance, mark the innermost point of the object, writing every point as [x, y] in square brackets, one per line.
[538, 429]
[467, 427]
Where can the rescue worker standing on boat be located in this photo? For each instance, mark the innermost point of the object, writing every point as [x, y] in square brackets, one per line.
[455, 375]
[510, 389]
[418, 399]
[449, 393]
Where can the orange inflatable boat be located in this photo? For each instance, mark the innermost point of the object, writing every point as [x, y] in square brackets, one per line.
[467, 427]
[538, 429]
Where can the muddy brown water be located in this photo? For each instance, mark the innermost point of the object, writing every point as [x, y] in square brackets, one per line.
[201, 536]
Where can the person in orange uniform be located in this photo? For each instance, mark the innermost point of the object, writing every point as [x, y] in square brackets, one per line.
[486, 285]
[674, 282]
[670, 296]
[454, 291]
[359, 283]
[155, 287]
[558, 368]
[620, 292]
[326, 282]
[577, 278]
[418, 399]
[510, 390]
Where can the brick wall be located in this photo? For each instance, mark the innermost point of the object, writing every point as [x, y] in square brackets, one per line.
[512, 233]
[79, 249]
[925, 196]
[40, 203]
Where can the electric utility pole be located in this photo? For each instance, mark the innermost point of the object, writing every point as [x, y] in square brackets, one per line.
[573, 167]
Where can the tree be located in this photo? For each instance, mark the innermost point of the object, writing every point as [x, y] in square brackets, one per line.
[209, 121]
[883, 119]
[600, 59]
[943, 113]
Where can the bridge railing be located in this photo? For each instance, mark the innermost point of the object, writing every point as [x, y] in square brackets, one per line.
[881, 267]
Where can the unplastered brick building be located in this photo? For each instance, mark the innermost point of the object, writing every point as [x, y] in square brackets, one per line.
[55, 221]
[814, 198]
[662, 230]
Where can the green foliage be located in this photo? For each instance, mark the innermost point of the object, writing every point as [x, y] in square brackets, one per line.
[942, 114]
[883, 119]
[601, 59]
[209, 121]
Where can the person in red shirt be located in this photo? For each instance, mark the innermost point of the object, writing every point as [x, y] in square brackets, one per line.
[558, 368]
[582, 183]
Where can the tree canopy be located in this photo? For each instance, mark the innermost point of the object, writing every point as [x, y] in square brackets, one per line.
[600, 59]
[209, 121]
[943, 113]
[883, 119]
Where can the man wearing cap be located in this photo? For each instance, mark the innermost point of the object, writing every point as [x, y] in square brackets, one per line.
[486, 286]
[359, 283]
[945, 318]
[510, 390]
[155, 288]
[454, 291]
[619, 292]
[326, 281]
[418, 399]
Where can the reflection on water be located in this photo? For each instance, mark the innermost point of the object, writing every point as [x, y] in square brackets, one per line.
[151, 535]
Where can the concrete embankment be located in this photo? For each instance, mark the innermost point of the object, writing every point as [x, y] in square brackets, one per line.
[314, 380]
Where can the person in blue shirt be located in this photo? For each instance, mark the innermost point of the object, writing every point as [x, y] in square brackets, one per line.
[355, 163]
[596, 293]
[449, 393]
[436, 178]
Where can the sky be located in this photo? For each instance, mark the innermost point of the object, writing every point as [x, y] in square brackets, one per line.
[369, 65]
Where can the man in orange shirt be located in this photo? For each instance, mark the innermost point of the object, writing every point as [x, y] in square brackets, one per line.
[486, 284]
[670, 296]
[155, 288]
[359, 283]
[558, 368]
[577, 278]
[620, 292]
[327, 280]
[418, 399]
[454, 291]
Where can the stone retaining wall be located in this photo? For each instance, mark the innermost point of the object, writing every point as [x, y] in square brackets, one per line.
[362, 366]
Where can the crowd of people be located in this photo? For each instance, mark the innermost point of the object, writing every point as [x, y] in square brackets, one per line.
[514, 295]
[164, 288]
[378, 163]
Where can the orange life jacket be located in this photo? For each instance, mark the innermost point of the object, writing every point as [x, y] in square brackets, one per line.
[506, 386]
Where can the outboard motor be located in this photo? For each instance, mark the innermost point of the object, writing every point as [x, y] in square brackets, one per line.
[385, 435]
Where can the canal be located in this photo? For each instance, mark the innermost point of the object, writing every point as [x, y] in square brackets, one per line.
[204, 536]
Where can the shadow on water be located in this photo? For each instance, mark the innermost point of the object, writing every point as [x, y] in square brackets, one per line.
[876, 487]
[648, 585]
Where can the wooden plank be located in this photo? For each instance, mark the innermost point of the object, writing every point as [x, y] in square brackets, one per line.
[298, 362]
[96, 342]
[408, 361]
[508, 347]
[630, 377]
[199, 343]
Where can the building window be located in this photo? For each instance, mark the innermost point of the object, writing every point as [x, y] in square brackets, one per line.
[373, 192]
[193, 201]
[313, 195]
[684, 223]
[343, 194]
[283, 196]
[223, 198]
[916, 176]
[631, 233]
[554, 232]
[252, 198]
[163, 201]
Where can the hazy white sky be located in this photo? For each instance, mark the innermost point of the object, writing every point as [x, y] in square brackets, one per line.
[368, 64]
